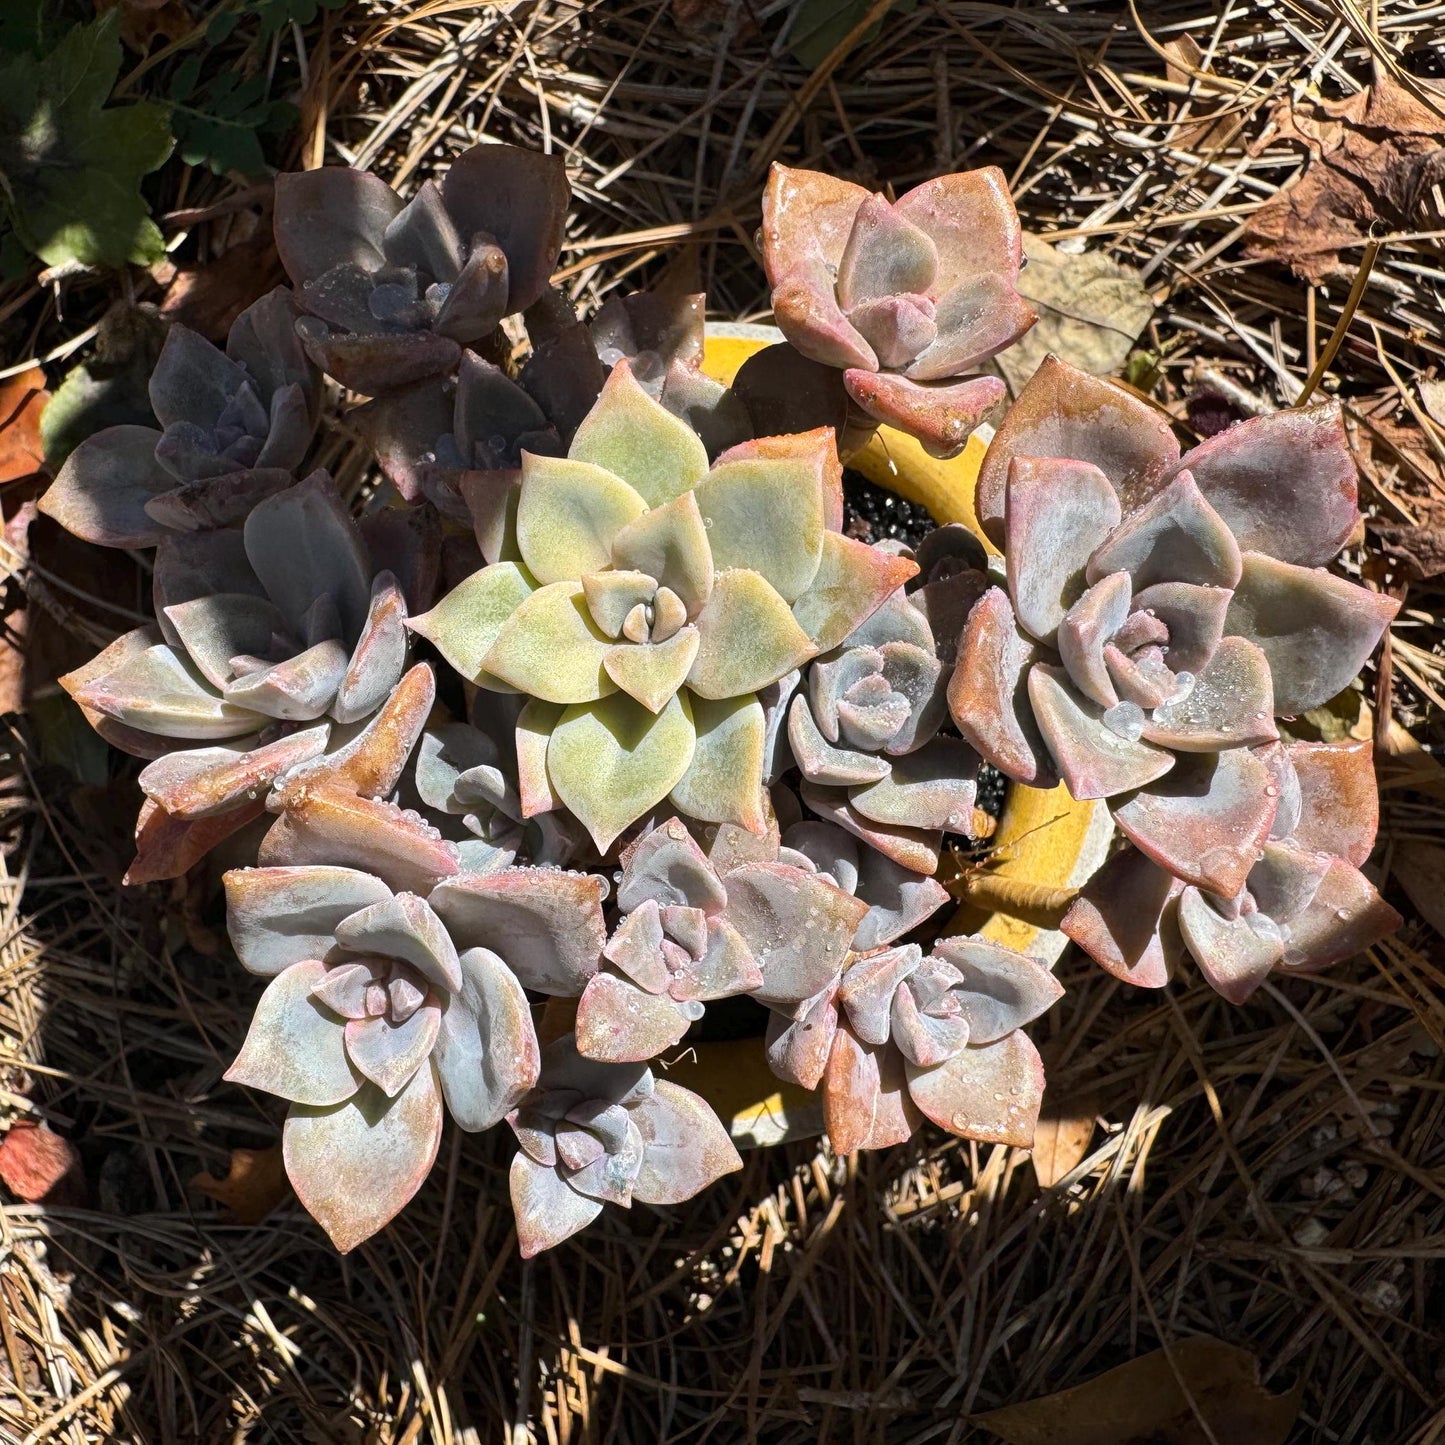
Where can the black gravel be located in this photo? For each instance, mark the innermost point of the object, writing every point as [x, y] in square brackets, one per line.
[872, 514]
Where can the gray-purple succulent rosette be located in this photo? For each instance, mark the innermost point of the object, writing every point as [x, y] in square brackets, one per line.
[1163, 612]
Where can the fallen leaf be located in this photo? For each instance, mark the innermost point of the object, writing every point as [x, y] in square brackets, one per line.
[1419, 868]
[209, 298]
[1200, 136]
[22, 399]
[1091, 310]
[1061, 1138]
[1145, 1403]
[142, 21]
[254, 1185]
[39, 1166]
[1374, 156]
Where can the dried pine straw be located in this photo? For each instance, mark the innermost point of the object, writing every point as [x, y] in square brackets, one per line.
[1272, 1174]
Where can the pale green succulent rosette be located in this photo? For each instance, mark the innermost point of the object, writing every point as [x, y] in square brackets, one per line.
[642, 599]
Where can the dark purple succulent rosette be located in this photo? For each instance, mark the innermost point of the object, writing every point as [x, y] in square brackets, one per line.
[903, 298]
[234, 426]
[394, 290]
[1161, 613]
[277, 646]
[387, 1009]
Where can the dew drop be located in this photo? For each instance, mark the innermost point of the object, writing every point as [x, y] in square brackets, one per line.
[1125, 720]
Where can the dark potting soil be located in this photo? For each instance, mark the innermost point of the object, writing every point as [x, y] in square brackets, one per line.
[873, 514]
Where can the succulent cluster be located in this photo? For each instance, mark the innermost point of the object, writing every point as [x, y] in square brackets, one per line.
[591, 713]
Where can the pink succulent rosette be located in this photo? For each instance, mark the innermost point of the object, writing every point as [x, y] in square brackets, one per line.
[1161, 613]
[905, 298]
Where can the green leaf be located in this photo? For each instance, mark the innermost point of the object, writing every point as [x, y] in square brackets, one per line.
[610, 761]
[821, 24]
[465, 623]
[724, 782]
[73, 166]
[550, 647]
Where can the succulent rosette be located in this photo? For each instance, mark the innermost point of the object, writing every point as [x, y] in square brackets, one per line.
[894, 1035]
[905, 298]
[235, 423]
[394, 289]
[642, 600]
[864, 733]
[276, 646]
[386, 1009]
[593, 1134]
[1161, 612]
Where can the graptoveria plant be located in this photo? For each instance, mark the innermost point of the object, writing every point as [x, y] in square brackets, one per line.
[1161, 613]
[384, 1005]
[235, 425]
[394, 289]
[903, 297]
[273, 644]
[594, 1134]
[643, 599]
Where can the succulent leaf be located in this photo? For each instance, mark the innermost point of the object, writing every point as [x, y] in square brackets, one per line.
[1126, 919]
[568, 514]
[551, 648]
[465, 623]
[748, 637]
[724, 780]
[991, 1094]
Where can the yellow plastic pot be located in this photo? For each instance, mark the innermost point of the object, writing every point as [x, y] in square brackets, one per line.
[1046, 844]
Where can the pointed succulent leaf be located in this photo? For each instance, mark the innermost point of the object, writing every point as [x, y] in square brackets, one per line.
[534, 730]
[766, 515]
[988, 692]
[886, 255]
[193, 381]
[101, 492]
[917, 849]
[201, 782]
[547, 1208]
[215, 629]
[619, 1023]
[852, 581]
[372, 762]
[639, 440]
[379, 657]
[1206, 821]
[1339, 799]
[1126, 919]
[1175, 536]
[465, 623]
[1065, 412]
[333, 216]
[1057, 512]
[933, 787]
[389, 1054]
[651, 672]
[303, 545]
[1230, 705]
[280, 916]
[991, 1094]
[898, 900]
[200, 564]
[518, 197]
[1315, 629]
[667, 867]
[636, 947]
[670, 545]
[169, 847]
[798, 1048]
[155, 690]
[295, 1047]
[724, 780]
[550, 647]
[941, 414]
[1000, 990]
[1088, 627]
[300, 689]
[685, 1146]
[568, 514]
[487, 1056]
[868, 986]
[727, 966]
[1345, 917]
[749, 637]
[1235, 954]
[820, 761]
[355, 1165]
[1093, 759]
[320, 824]
[612, 760]
[975, 320]
[372, 364]
[611, 596]
[546, 925]
[404, 927]
[1286, 878]
[1305, 520]
[971, 219]
[851, 1084]
[798, 926]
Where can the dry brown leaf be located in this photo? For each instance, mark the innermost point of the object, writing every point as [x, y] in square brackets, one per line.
[1145, 1403]
[209, 298]
[143, 21]
[22, 399]
[1419, 868]
[1091, 311]
[1061, 1137]
[1200, 136]
[1374, 156]
[254, 1185]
